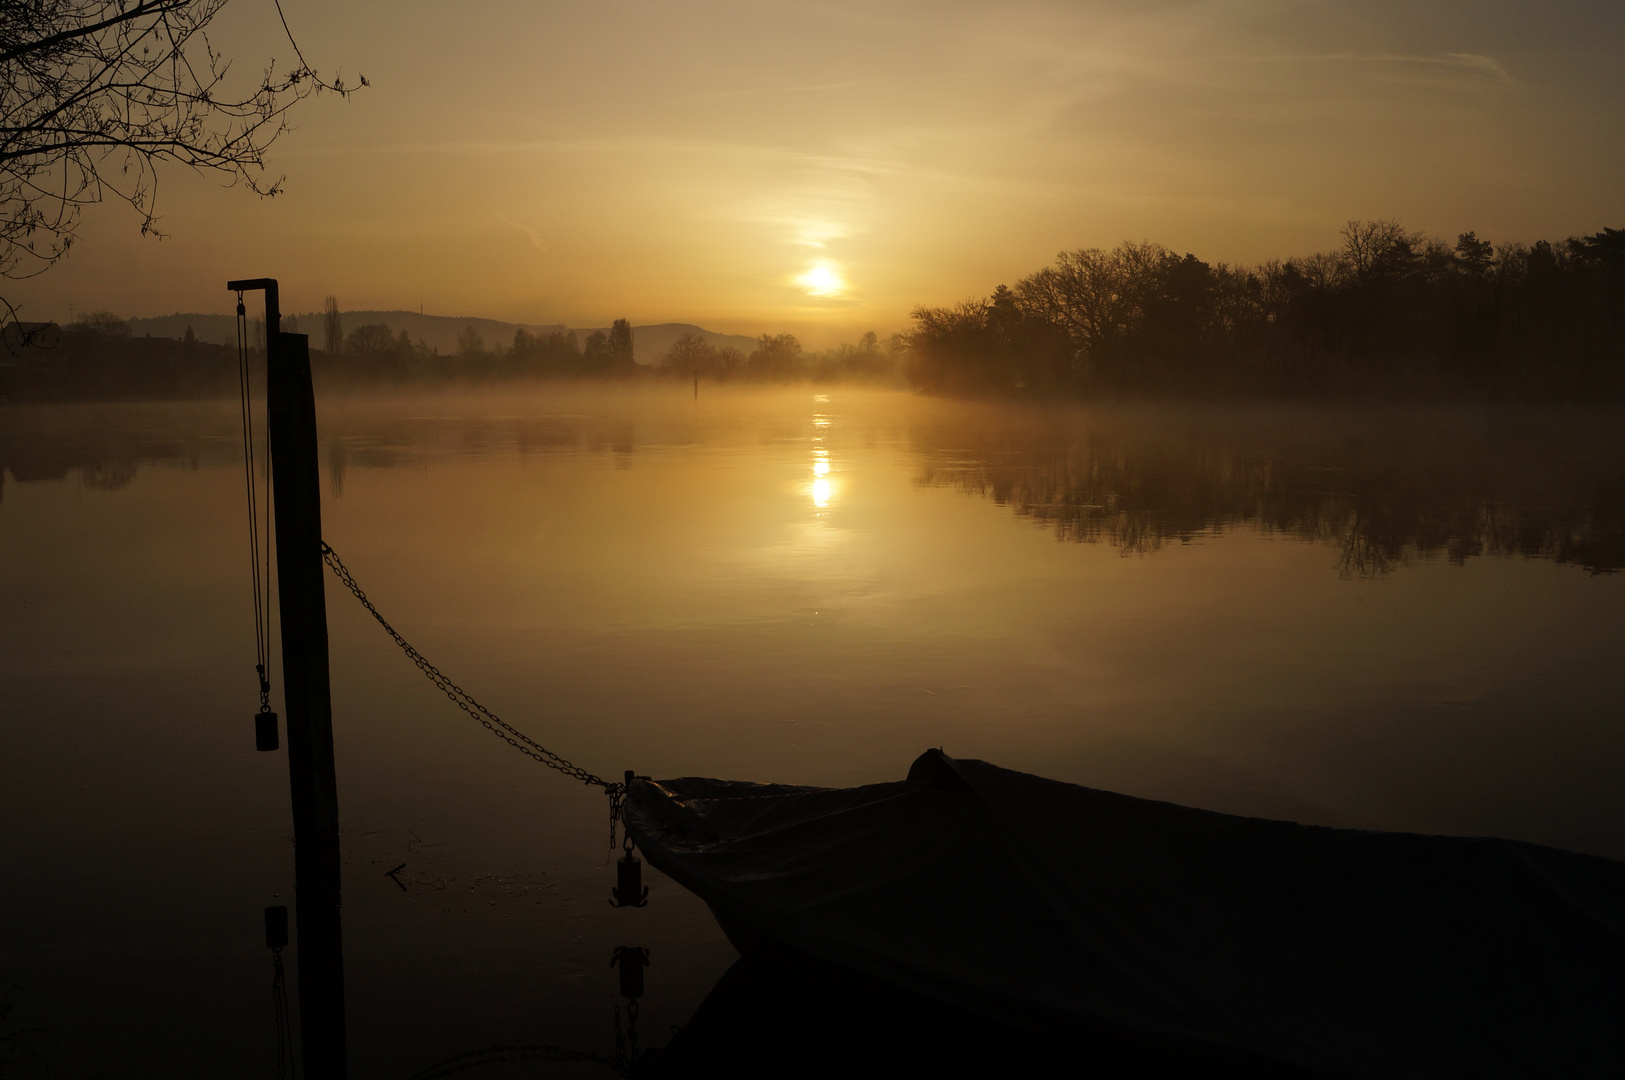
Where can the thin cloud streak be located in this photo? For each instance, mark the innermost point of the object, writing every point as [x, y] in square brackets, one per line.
[762, 91]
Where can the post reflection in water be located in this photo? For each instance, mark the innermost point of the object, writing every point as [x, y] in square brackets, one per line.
[1390, 619]
[276, 939]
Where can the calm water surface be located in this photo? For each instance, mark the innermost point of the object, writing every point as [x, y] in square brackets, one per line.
[1357, 617]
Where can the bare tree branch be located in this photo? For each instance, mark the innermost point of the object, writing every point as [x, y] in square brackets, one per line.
[95, 95]
[139, 11]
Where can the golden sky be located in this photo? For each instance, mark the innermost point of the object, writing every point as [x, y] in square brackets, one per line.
[822, 167]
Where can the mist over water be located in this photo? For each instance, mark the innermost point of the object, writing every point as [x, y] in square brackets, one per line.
[1401, 619]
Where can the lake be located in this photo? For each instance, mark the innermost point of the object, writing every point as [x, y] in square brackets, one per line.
[1364, 616]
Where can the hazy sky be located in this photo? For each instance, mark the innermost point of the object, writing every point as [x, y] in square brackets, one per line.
[822, 167]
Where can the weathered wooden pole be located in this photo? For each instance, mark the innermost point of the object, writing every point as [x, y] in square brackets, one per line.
[307, 706]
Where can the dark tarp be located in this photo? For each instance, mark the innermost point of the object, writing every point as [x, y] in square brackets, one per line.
[1330, 951]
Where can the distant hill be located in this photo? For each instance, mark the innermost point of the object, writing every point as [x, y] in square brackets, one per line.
[436, 331]
[215, 329]
[649, 343]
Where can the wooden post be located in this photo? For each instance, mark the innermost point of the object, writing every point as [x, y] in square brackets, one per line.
[296, 495]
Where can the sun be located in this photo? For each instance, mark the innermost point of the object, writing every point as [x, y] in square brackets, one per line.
[822, 279]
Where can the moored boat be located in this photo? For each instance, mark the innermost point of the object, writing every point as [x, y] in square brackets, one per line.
[1262, 944]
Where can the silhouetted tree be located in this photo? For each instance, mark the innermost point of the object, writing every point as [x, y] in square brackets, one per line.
[1391, 312]
[691, 354]
[1095, 297]
[1475, 256]
[618, 346]
[553, 353]
[1605, 250]
[1378, 250]
[102, 326]
[374, 352]
[470, 342]
[950, 350]
[776, 356]
[375, 339]
[96, 94]
[559, 351]
[595, 353]
[332, 326]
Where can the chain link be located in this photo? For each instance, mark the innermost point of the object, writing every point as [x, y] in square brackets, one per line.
[465, 701]
[617, 796]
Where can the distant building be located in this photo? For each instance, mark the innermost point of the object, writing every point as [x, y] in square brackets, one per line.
[16, 336]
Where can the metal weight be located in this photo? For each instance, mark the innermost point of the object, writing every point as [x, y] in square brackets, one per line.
[276, 927]
[631, 959]
[629, 891]
[265, 733]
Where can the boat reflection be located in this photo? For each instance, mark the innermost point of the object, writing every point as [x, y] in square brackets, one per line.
[783, 1017]
[780, 1016]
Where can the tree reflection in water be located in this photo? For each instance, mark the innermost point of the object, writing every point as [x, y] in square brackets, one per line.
[1501, 741]
[1381, 487]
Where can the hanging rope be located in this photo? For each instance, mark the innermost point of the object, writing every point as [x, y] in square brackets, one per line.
[256, 551]
[465, 701]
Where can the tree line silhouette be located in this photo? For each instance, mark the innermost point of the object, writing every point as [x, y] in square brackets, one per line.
[375, 353]
[97, 358]
[1391, 313]
[1379, 486]
[780, 358]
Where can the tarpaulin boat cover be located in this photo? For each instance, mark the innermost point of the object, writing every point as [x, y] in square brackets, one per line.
[1328, 951]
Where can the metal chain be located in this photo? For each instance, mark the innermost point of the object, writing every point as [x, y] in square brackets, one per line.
[617, 797]
[465, 701]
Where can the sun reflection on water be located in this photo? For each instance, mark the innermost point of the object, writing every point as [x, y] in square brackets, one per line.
[823, 487]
